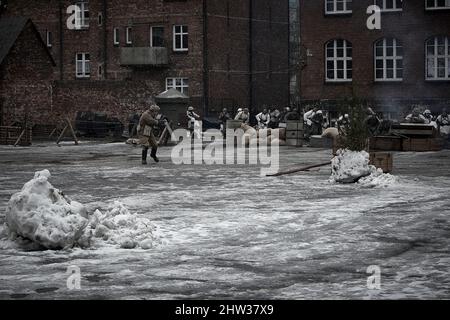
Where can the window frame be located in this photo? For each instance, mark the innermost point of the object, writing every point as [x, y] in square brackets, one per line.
[435, 7]
[396, 45]
[81, 21]
[184, 87]
[84, 62]
[49, 38]
[436, 56]
[181, 34]
[116, 36]
[128, 35]
[335, 11]
[151, 36]
[335, 59]
[384, 9]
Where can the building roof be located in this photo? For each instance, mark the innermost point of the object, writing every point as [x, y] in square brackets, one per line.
[171, 94]
[10, 30]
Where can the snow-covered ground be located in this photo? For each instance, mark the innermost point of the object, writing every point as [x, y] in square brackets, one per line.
[227, 232]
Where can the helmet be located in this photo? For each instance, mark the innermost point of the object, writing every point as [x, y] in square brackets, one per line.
[240, 110]
[427, 112]
[155, 108]
[319, 112]
[191, 108]
[246, 110]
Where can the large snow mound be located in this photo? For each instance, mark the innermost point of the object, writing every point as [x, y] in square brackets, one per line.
[43, 216]
[353, 167]
[118, 226]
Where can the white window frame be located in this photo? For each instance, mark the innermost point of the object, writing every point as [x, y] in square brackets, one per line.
[335, 60]
[116, 36]
[183, 87]
[436, 7]
[395, 57]
[49, 38]
[85, 71]
[128, 32]
[383, 6]
[81, 21]
[183, 48]
[151, 34]
[335, 11]
[435, 57]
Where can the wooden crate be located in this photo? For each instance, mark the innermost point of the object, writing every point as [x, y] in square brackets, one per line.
[234, 124]
[423, 145]
[294, 125]
[386, 143]
[294, 142]
[382, 160]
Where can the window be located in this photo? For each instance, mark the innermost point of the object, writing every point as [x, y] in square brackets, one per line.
[180, 38]
[100, 19]
[437, 4]
[338, 6]
[388, 60]
[338, 61]
[390, 5]
[83, 65]
[128, 35]
[181, 84]
[438, 58]
[157, 36]
[116, 36]
[100, 71]
[49, 38]
[82, 15]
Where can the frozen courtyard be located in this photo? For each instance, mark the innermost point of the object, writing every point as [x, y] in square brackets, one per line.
[226, 232]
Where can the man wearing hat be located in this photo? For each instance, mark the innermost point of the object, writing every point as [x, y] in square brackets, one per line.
[192, 117]
[146, 136]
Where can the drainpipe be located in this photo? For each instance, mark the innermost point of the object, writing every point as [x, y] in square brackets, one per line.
[105, 40]
[250, 56]
[61, 42]
[205, 59]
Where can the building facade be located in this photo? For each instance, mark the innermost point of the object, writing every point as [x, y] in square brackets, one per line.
[113, 56]
[406, 61]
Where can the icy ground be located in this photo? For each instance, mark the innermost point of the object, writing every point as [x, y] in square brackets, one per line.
[225, 232]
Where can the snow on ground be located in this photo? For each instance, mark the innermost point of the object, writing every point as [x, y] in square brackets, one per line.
[227, 232]
[353, 167]
[41, 216]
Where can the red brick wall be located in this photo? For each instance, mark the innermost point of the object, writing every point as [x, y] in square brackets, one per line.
[412, 26]
[123, 89]
[25, 83]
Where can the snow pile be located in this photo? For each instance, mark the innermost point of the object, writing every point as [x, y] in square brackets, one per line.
[118, 226]
[378, 179]
[353, 166]
[42, 214]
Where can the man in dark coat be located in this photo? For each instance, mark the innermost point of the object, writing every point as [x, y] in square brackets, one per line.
[146, 137]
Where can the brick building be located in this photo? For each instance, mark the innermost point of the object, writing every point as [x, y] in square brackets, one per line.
[407, 61]
[112, 56]
[26, 71]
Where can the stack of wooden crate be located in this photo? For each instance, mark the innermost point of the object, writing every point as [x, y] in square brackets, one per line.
[294, 133]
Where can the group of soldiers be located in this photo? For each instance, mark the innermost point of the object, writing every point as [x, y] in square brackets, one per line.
[314, 119]
[269, 118]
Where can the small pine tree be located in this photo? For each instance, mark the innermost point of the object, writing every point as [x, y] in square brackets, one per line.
[356, 133]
